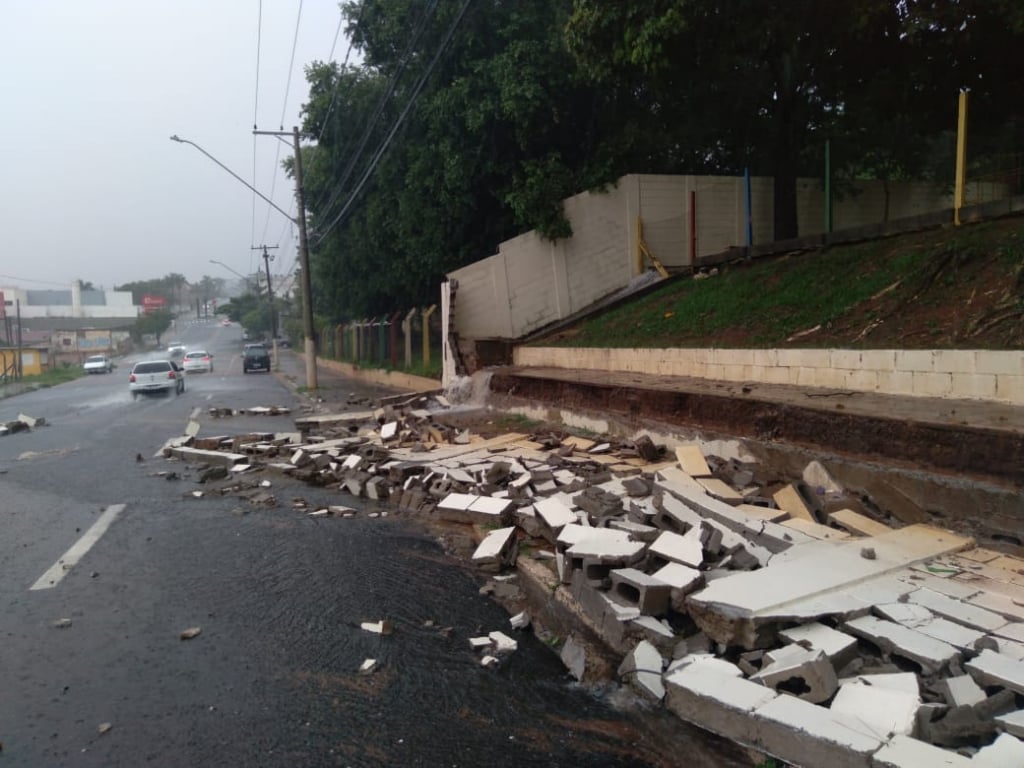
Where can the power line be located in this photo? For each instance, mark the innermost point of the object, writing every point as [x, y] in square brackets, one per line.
[398, 123]
[385, 97]
[255, 112]
[291, 65]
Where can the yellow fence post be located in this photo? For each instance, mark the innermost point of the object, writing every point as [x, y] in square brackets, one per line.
[961, 157]
[426, 335]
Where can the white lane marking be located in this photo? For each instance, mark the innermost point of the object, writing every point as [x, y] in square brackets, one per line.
[70, 559]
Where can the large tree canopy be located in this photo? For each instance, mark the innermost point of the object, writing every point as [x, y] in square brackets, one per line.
[468, 121]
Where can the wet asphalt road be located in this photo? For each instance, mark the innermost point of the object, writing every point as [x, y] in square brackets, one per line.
[272, 678]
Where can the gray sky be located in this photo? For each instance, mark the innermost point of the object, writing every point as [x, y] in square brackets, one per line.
[91, 187]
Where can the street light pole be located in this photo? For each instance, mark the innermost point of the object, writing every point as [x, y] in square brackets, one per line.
[270, 297]
[307, 282]
[300, 221]
[248, 284]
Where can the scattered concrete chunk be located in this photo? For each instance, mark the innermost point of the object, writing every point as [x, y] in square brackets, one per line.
[716, 702]
[1012, 723]
[647, 593]
[190, 633]
[838, 646]
[808, 675]
[961, 690]
[932, 655]
[731, 610]
[673, 548]
[885, 711]
[691, 459]
[905, 752]
[368, 667]
[805, 734]
[992, 668]
[383, 627]
[503, 644]
[789, 499]
[858, 524]
[720, 490]
[896, 681]
[643, 668]
[574, 656]
[497, 548]
[554, 513]
[1005, 751]
[954, 610]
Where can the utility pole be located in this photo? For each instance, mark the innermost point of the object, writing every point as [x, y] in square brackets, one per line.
[307, 283]
[270, 296]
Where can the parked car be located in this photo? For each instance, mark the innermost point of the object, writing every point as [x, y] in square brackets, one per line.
[255, 358]
[175, 349]
[156, 376]
[98, 364]
[197, 361]
[225, 322]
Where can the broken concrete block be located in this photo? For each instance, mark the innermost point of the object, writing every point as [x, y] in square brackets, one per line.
[574, 656]
[991, 668]
[636, 531]
[657, 632]
[838, 646]
[503, 644]
[954, 610]
[1012, 723]
[790, 499]
[706, 662]
[895, 681]
[555, 514]
[673, 548]
[808, 675]
[691, 460]
[905, 752]
[720, 703]
[1005, 751]
[520, 621]
[805, 734]
[368, 666]
[383, 627]
[731, 610]
[497, 549]
[895, 639]
[720, 490]
[961, 690]
[648, 594]
[885, 711]
[771, 514]
[857, 524]
[643, 668]
[480, 643]
[682, 579]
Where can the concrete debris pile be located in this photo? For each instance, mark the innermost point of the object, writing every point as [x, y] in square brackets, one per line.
[21, 424]
[259, 410]
[788, 617]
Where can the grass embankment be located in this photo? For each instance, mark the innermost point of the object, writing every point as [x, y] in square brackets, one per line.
[952, 288]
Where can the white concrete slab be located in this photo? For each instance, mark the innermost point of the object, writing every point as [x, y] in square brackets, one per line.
[932, 655]
[838, 646]
[679, 576]
[961, 690]
[707, 662]
[685, 549]
[729, 609]
[691, 460]
[805, 734]
[643, 666]
[905, 682]
[554, 513]
[719, 703]
[906, 752]
[991, 668]
[1012, 723]
[720, 490]
[494, 545]
[955, 610]
[812, 669]
[459, 502]
[1004, 752]
[884, 711]
[489, 505]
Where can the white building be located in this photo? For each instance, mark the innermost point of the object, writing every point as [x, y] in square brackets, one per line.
[71, 303]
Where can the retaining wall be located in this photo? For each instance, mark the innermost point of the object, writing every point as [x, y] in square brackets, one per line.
[997, 376]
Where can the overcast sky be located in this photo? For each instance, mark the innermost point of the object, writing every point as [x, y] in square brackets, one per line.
[91, 187]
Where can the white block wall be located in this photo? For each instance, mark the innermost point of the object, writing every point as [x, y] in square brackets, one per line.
[958, 374]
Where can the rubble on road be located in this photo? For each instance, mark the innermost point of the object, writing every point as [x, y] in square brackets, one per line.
[21, 424]
[787, 616]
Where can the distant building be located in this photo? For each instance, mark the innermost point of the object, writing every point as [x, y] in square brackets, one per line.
[71, 324]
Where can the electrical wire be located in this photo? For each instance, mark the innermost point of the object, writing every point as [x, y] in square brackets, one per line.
[291, 65]
[255, 112]
[385, 97]
[398, 123]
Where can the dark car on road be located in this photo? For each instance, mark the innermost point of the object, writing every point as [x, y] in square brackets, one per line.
[255, 358]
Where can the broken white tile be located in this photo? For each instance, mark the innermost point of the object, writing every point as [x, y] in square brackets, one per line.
[480, 643]
[502, 642]
[643, 666]
[1012, 723]
[495, 546]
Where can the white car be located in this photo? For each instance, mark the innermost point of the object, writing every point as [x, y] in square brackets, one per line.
[197, 361]
[156, 376]
[98, 364]
[175, 350]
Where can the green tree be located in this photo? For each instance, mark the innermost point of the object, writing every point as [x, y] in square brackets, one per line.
[155, 323]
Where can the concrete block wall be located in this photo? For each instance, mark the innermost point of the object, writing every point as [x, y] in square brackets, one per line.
[997, 376]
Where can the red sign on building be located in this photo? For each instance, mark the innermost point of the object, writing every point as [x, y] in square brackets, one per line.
[151, 303]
